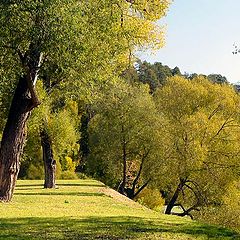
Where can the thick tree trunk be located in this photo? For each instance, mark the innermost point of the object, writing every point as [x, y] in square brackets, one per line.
[49, 162]
[173, 200]
[24, 100]
[84, 141]
[13, 139]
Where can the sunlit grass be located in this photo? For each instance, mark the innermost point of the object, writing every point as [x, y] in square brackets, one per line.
[78, 209]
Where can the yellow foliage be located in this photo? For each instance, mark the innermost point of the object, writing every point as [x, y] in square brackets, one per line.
[151, 198]
[68, 164]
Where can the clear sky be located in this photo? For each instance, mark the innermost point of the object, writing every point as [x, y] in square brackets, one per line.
[199, 37]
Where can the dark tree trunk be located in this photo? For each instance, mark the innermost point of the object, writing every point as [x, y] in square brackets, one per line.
[13, 139]
[49, 162]
[24, 100]
[173, 200]
[84, 141]
[122, 187]
[134, 191]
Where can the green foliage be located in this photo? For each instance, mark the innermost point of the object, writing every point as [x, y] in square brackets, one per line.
[61, 125]
[155, 75]
[126, 119]
[82, 175]
[68, 174]
[68, 164]
[89, 39]
[35, 172]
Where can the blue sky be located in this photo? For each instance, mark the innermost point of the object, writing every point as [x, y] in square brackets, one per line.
[199, 37]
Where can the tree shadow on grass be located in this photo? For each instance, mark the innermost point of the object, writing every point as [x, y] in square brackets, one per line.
[20, 186]
[84, 194]
[106, 228]
[81, 185]
[29, 185]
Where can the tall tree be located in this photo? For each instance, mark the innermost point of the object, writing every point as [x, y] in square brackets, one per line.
[122, 138]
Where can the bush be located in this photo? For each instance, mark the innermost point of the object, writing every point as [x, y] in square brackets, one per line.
[151, 198]
[67, 175]
[68, 164]
[227, 213]
[81, 175]
[35, 172]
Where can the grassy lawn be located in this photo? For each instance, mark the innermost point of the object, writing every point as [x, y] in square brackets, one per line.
[86, 209]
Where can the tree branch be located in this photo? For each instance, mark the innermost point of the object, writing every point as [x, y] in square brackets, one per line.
[140, 169]
[141, 188]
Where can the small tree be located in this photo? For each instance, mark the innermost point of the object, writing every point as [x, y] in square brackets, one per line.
[54, 127]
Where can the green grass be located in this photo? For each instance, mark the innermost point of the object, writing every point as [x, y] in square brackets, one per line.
[79, 209]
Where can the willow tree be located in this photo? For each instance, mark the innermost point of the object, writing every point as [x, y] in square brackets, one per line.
[65, 37]
[202, 135]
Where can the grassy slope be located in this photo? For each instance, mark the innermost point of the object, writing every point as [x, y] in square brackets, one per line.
[80, 209]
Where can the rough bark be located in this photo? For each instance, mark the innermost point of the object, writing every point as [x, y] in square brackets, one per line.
[174, 198]
[24, 100]
[13, 139]
[49, 162]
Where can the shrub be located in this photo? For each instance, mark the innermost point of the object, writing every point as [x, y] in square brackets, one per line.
[81, 175]
[68, 164]
[35, 172]
[226, 213]
[68, 175]
[151, 198]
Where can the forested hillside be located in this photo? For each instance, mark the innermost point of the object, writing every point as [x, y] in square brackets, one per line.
[76, 101]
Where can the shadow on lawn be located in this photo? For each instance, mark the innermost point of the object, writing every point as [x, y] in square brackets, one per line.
[105, 228]
[86, 194]
[20, 186]
[81, 184]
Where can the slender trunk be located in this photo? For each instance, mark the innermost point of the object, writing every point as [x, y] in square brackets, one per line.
[124, 165]
[131, 192]
[49, 162]
[173, 200]
[13, 139]
[122, 186]
[139, 174]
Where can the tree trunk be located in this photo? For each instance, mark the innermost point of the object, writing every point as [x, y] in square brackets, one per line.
[84, 141]
[173, 200]
[122, 187]
[13, 139]
[49, 162]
